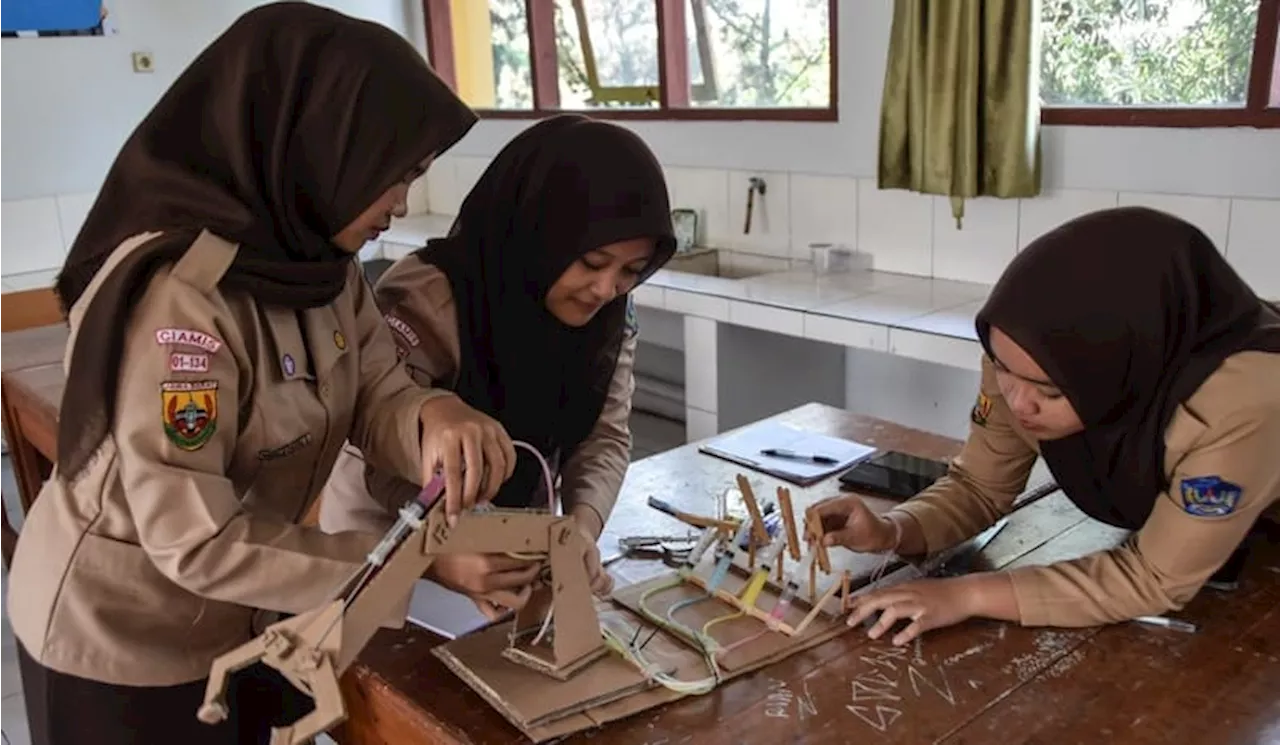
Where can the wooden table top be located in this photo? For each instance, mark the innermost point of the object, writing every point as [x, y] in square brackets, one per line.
[43, 383]
[978, 682]
[33, 347]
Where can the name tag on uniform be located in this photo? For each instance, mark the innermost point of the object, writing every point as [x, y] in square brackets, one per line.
[287, 449]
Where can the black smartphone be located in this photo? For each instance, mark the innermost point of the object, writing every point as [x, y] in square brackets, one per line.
[893, 474]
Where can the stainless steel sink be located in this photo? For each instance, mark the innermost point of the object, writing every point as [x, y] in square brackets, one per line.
[709, 262]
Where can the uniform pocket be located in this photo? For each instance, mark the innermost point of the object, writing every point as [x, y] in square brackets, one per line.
[136, 605]
[115, 584]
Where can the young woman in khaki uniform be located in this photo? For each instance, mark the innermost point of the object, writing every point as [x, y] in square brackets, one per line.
[224, 345]
[524, 311]
[1125, 351]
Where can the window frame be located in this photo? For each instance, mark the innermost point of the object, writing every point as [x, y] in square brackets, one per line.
[1261, 109]
[673, 70]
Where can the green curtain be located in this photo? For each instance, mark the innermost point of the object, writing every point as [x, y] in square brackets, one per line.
[960, 115]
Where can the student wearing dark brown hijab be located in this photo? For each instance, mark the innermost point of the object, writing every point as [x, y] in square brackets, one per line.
[224, 345]
[1124, 350]
[524, 311]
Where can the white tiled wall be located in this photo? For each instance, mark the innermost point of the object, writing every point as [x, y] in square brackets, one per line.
[903, 232]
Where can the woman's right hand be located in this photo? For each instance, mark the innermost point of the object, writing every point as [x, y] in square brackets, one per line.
[471, 448]
[495, 583]
[848, 522]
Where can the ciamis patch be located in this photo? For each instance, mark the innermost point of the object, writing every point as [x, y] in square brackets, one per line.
[188, 338]
[981, 410]
[190, 412]
[404, 330]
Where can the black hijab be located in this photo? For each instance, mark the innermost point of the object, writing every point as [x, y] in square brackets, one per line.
[284, 130]
[563, 187]
[1128, 311]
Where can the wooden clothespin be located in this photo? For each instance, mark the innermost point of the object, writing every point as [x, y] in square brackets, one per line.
[789, 521]
[813, 527]
[758, 531]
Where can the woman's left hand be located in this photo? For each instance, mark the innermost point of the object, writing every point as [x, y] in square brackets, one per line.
[589, 526]
[927, 604]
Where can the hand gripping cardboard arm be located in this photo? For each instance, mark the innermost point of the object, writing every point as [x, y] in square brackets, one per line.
[312, 650]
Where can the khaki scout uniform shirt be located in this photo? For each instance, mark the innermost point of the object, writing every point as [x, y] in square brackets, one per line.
[229, 416]
[1230, 429]
[425, 326]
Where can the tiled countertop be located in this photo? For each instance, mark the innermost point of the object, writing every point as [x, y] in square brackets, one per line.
[919, 317]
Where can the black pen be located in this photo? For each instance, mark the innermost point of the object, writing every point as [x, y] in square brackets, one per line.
[779, 453]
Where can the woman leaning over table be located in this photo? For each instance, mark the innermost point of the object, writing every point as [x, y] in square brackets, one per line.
[224, 344]
[524, 311]
[1124, 350]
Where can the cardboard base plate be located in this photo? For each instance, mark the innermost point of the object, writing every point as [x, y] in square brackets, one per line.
[611, 688]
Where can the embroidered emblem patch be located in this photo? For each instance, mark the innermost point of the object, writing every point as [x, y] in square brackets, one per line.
[190, 412]
[189, 338]
[339, 340]
[289, 366]
[403, 329]
[1209, 496]
[287, 449]
[632, 321]
[182, 362]
[981, 410]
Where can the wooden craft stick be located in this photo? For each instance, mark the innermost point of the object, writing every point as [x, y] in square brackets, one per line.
[844, 586]
[789, 520]
[753, 508]
[751, 555]
[781, 560]
[813, 579]
[697, 521]
[817, 608]
[737, 603]
[814, 523]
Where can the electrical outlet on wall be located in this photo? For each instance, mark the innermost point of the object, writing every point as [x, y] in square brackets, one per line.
[142, 62]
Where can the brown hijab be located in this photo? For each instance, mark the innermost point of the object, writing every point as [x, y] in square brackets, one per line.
[284, 130]
[1128, 310]
[561, 188]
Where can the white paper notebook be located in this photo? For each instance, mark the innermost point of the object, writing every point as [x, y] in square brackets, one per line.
[440, 610]
[744, 447]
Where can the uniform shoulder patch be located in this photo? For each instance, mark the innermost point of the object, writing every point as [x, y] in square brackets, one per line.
[1209, 496]
[188, 338]
[981, 410]
[190, 412]
[632, 321]
[188, 363]
[403, 330]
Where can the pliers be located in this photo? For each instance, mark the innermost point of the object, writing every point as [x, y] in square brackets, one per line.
[659, 547]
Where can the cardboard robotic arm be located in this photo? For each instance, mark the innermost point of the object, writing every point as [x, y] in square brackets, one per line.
[312, 650]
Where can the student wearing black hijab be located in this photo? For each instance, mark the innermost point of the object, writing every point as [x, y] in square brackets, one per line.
[524, 311]
[1124, 350]
[224, 345]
